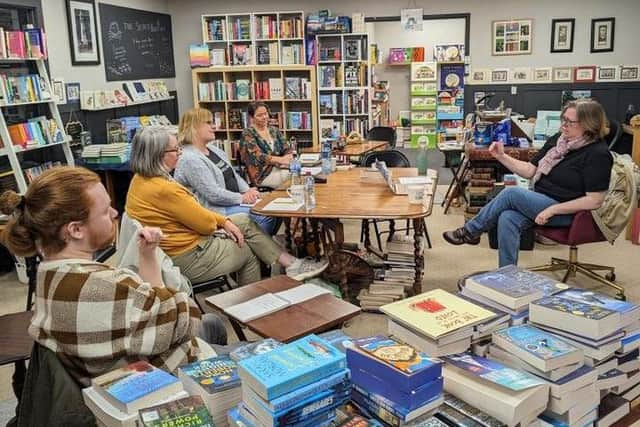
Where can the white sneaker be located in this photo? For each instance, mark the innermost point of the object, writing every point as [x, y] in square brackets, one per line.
[306, 268]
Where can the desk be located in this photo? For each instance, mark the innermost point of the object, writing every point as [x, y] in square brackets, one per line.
[345, 195]
[316, 315]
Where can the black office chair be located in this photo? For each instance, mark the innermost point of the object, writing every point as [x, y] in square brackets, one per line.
[614, 136]
[383, 133]
[393, 159]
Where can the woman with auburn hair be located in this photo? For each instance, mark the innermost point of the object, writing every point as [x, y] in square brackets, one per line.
[570, 173]
[206, 170]
[66, 216]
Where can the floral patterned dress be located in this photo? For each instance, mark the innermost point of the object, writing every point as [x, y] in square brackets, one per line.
[255, 152]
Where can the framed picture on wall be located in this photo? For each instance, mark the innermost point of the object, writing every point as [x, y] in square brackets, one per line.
[563, 74]
[584, 74]
[602, 34]
[512, 37]
[73, 92]
[480, 75]
[500, 75]
[607, 73]
[629, 72]
[562, 31]
[542, 75]
[521, 75]
[83, 32]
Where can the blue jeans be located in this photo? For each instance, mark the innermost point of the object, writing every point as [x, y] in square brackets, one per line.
[268, 224]
[513, 210]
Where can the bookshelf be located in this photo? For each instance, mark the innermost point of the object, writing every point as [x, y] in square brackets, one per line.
[259, 38]
[344, 80]
[41, 132]
[423, 103]
[288, 90]
[450, 107]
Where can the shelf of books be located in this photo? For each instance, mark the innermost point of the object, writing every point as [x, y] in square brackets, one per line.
[450, 108]
[265, 38]
[423, 104]
[343, 84]
[24, 91]
[287, 90]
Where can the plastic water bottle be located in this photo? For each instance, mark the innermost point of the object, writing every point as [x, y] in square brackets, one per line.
[295, 168]
[309, 192]
[421, 159]
[325, 156]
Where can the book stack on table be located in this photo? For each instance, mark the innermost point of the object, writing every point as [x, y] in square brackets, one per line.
[300, 383]
[392, 381]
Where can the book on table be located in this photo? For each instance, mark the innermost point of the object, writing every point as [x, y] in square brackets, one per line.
[611, 409]
[629, 312]
[189, 411]
[283, 204]
[269, 303]
[560, 405]
[500, 355]
[136, 386]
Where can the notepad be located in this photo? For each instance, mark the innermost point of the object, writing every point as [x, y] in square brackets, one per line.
[283, 204]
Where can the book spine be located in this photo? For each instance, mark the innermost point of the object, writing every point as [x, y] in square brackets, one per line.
[384, 403]
[379, 411]
[302, 380]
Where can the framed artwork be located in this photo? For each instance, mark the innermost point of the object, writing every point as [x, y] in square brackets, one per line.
[562, 31]
[521, 75]
[481, 75]
[512, 37]
[58, 90]
[542, 75]
[73, 92]
[563, 74]
[500, 75]
[607, 73]
[83, 32]
[584, 74]
[629, 72]
[602, 34]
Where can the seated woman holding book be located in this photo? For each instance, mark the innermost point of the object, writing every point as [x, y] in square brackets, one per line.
[93, 316]
[570, 173]
[202, 243]
[263, 150]
[205, 170]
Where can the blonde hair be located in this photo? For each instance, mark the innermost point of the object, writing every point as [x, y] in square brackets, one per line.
[591, 117]
[54, 199]
[189, 123]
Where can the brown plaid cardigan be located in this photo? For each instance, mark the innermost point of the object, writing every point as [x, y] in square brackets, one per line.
[97, 318]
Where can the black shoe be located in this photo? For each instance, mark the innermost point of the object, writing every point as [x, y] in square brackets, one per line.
[460, 236]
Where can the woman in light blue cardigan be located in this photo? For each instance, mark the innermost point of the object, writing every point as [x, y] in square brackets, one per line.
[207, 172]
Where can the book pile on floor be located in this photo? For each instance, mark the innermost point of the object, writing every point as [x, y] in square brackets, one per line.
[216, 380]
[393, 381]
[300, 383]
[435, 322]
[457, 412]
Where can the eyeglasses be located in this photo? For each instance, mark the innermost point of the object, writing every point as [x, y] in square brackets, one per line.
[178, 150]
[566, 122]
[209, 122]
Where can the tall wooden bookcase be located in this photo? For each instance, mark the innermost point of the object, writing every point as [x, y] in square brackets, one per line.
[258, 38]
[14, 152]
[288, 90]
[344, 80]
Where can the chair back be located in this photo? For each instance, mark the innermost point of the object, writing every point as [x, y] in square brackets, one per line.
[583, 229]
[392, 158]
[383, 133]
[614, 136]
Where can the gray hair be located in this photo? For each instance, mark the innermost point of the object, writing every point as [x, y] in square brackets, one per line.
[147, 151]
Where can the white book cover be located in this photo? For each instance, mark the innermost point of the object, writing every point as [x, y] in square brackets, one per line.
[257, 307]
[275, 89]
[283, 204]
[302, 293]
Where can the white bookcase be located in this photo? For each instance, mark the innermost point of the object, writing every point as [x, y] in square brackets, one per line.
[13, 152]
[257, 38]
[344, 81]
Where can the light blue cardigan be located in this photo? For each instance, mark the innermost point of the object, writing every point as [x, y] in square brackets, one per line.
[200, 175]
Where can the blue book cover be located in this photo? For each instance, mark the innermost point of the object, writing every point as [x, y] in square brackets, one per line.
[214, 374]
[536, 342]
[412, 400]
[291, 398]
[253, 348]
[383, 409]
[516, 282]
[134, 381]
[575, 308]
[493, 371]
[583, 370]
[399, 364]
[291, 366]
[337, 338]
[600, 300]
[235, 419]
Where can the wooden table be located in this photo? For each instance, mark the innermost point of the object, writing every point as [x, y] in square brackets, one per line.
[345, 195]
[355, 150]
[316, 315]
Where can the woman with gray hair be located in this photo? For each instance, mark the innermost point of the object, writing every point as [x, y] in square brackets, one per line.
[155, 199]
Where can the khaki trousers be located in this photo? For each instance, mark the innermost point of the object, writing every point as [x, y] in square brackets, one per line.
[215, 256]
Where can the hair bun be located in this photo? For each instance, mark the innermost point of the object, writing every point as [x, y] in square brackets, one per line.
[10, 201]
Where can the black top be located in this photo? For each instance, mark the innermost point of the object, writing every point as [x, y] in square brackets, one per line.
[230, 180]
[586, 170]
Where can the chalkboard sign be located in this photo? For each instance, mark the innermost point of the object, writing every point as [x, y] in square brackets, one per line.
[137, 44]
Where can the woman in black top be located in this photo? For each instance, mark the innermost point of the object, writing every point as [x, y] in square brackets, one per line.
[569, 174]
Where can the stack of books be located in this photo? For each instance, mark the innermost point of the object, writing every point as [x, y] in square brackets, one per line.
[253, 348]
[393, 381]
[510, 289]
[107, 153]
[511, 396]
[116, 397]
[435, 322]
[188, 411]
[400, 251]
[300, 383]
[458, 412]
[216, 380]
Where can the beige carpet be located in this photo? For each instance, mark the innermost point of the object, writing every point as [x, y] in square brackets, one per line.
[444, 264]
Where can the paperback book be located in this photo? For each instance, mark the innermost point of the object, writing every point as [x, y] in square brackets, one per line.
[189, 411]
